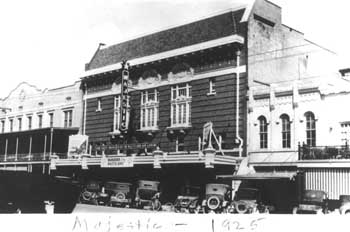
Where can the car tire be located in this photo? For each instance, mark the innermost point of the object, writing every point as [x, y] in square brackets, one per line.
[156, 205]
[241, 207]
[216, 201]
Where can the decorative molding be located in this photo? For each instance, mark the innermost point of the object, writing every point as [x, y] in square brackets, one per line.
[115, 89]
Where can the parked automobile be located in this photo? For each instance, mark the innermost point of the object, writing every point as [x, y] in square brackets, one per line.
[188, 201]
[217, 198]
[248, 200]
[93, 193]
[120, 193]
[312, 202]
[147, 195]
[344, 204]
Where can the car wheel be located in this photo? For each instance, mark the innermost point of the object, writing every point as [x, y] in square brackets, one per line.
[156, 205]
[347, 212]
[241, 207]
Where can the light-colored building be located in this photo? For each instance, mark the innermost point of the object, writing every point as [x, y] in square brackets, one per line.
[303, 124]
[34, 124]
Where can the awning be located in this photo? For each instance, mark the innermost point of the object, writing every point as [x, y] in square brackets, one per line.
[261, 176]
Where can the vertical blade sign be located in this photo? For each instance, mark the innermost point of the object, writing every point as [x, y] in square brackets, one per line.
[124, 99]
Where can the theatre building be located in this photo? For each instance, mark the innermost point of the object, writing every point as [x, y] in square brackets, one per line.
[35, 124]
[177, 110]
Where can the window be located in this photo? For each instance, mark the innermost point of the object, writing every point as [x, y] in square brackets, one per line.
[2, 126]
[345, 133]
[117, 114]
[181, 105]
[19, 124]
[310, 129]
[149, 109]
[68, 115]
[29, 122]
[40, 120]
[51, 119]
[99, 105]
[212, 86]
[263, 131]
[180, 141]
[11, 125]
[285, 131]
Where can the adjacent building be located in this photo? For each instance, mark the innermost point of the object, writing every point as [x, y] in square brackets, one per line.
[35, 124]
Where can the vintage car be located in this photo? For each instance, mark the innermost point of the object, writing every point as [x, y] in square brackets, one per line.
[248, 200]
[217, 198]
[93, 193]
[344, 204]
[147, 195]
[120, 193]
[188, 201]
[312, 202]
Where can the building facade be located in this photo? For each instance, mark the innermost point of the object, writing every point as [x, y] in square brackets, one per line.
[188, 113]
[301, 125]
[35, 124]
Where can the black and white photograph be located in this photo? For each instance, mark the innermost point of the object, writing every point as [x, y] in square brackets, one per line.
[222, 114]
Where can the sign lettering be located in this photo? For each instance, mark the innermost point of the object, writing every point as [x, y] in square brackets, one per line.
[124, 98]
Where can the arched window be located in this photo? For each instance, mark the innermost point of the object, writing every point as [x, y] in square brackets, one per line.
[285, 131]
[263, 132]
[310, 129]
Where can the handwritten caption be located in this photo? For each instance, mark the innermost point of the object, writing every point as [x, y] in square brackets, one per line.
[168, 224]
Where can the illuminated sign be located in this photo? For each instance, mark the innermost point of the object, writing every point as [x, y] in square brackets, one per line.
[124, 99]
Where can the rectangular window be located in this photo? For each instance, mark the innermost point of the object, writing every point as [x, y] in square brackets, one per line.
[149, 109]
[263, 132]
[99, 105]
[11, 125]
[40, 120]
[68, 117]
[180, 143]
[345, 133]
[19, 124]
[29, 122]
[51, 119]
[181, 105]
[285, 131]
[3, 126]
[212, 86]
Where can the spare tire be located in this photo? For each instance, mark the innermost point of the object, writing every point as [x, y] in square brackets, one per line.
[241, 207]
[213, 202]
[86, 195]
[120, 196]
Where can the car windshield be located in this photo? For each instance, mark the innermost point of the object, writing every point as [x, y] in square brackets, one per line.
[190, 191]
[246, 194]
[314, 197]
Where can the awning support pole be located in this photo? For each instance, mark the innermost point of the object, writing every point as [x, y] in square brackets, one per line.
[30, 148]
[16, 149]
[6, 144]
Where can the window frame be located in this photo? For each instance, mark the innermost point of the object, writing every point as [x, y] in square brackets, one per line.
[310, 129]
[180, 106]
[19, 121]
[149, 110]
[212, 86]
[263, 132]
[67, 118]
[286, 131]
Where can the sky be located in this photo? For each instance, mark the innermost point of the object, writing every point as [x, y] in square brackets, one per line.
[47, 43]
